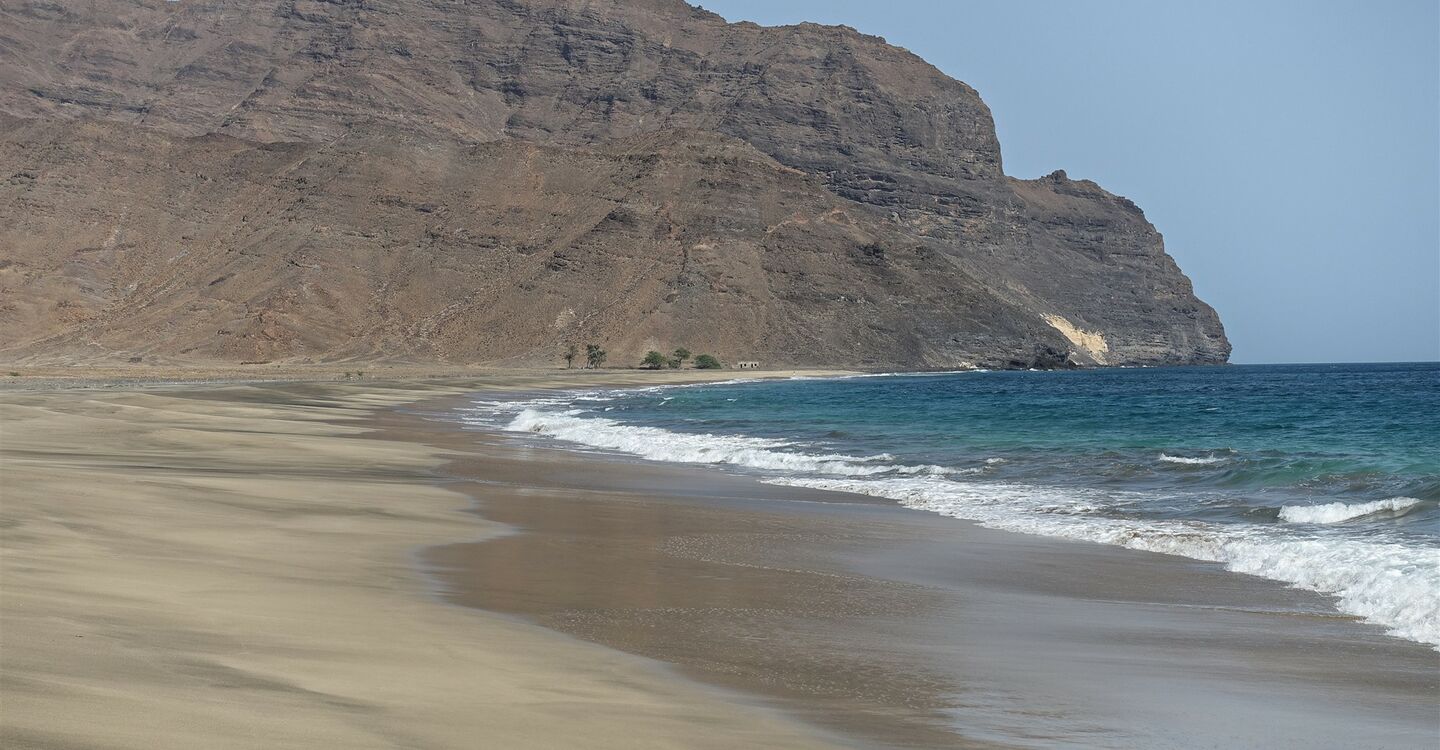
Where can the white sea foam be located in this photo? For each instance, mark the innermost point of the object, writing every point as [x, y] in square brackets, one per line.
[663, 445]
[1200, 461]
[1341, 512]
[1389, 584]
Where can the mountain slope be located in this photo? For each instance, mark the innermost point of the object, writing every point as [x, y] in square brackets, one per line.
[489, 181]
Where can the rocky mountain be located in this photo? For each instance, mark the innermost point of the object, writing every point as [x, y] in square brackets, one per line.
[489, 181]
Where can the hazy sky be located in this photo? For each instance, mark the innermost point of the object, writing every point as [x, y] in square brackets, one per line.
[1288, 151]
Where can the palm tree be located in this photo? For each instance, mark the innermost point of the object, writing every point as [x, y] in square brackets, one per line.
[594, 355]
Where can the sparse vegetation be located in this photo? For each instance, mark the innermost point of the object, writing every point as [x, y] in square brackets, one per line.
[654, 360]
[594, 355]
[571, 352]
[707, 362]
[14, 374]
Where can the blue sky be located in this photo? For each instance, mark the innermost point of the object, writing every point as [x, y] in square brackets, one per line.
[1289, 151]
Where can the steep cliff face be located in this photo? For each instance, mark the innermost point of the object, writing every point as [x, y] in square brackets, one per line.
[491, 180]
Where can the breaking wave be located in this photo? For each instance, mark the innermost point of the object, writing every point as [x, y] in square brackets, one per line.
[1193, 461]
[663, 445]
[1341, 512]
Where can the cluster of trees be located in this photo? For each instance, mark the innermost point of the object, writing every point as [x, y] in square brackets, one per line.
[595, 356]
[655, 360]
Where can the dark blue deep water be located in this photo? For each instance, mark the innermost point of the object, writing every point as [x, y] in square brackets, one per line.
[1323, 476]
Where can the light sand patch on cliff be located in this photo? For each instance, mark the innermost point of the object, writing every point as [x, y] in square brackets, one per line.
[1092, 342]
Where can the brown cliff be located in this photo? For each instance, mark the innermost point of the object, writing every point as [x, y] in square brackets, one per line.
[413, 180]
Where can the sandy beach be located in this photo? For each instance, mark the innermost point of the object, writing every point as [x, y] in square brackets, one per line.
[234, 567]
[278, 565]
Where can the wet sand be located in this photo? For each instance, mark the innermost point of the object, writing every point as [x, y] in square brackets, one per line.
[904, 629]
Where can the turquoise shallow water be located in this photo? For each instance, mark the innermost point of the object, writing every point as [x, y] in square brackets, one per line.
[1323, 476]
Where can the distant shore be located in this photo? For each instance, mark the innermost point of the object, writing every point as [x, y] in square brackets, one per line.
[256, 565]
[17, 378]
[111, 377]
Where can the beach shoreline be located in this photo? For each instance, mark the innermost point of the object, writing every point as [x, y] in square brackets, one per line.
[234, 560]
[904, 628]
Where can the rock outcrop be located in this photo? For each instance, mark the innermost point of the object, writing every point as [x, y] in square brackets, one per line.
[490, 181]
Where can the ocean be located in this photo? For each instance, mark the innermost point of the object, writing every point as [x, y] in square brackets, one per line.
[1326, 477]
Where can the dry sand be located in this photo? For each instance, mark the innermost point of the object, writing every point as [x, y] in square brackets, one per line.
[235, 569]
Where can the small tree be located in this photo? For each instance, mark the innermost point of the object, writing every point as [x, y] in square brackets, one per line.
[571, 352]
[653, 360]
[678, 360]
[594, 355]
[707, 362]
